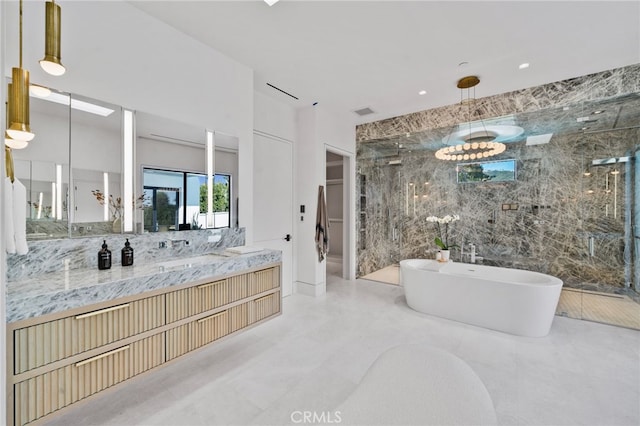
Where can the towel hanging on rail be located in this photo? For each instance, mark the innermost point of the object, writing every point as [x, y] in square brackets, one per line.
[322, 226]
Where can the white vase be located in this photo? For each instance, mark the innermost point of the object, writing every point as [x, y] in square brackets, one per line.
[444, 255]
[116, 225]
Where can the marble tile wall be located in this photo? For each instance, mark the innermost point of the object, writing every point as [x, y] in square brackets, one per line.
[82, 253]
[590, 87]
[553, 207]
[552, 211]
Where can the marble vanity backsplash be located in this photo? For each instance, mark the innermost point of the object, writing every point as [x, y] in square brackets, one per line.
[82, 253]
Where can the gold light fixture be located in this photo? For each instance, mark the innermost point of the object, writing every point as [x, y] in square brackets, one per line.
[51, 62]
[474, 143]
[8, 159]
[8, 140]
[19, 128]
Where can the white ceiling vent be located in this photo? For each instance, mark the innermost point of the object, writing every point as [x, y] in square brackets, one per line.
[364, 111]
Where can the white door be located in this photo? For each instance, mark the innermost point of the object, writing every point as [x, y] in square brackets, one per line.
[273, 200]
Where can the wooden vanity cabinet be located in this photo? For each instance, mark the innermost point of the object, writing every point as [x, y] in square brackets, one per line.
[58, 359]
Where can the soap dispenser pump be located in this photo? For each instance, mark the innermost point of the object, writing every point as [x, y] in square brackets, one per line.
[127, 254]
[104, 256]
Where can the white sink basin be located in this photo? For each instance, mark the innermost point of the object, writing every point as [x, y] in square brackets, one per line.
[187, 262]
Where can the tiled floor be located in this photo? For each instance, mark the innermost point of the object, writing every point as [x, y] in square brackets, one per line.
[600, 307]
[312, 357]
[388, 275]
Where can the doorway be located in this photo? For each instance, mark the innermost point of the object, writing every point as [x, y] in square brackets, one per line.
[273, 200]
[340, 167]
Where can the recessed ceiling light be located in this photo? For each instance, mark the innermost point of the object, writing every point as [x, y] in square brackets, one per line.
[523, 66]
[600, 111]
[271, 2]
[422, 92]
[583, 128]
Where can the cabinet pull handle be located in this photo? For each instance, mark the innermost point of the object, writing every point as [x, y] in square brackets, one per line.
[102, 311]
[260, 299]
[211, 284]
[97, 357]
[212, 317]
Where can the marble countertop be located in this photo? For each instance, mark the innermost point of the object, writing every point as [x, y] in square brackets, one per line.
[60, 291]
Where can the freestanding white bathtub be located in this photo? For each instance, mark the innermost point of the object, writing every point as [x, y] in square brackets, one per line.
[509, 300]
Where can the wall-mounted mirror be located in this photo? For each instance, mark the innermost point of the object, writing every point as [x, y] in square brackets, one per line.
[43, 166]
[96, 167]
[72, 164]
[172, 160]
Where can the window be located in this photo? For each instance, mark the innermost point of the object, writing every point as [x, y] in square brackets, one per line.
[178, 200]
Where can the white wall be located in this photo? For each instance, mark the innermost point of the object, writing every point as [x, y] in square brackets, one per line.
[317, 130]
[170, 156]
[273, 117]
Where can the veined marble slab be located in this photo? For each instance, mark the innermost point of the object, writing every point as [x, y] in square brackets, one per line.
[59, 291]
[49, 256]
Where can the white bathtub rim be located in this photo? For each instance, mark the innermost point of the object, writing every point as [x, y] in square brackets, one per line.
[434, 266]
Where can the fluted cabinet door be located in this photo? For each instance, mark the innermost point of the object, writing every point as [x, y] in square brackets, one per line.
[178, 341]
[264, 280]
[209, 329]
[210, 296]
[51, 391]
[52, 341]
[238, 287]
[264, 307]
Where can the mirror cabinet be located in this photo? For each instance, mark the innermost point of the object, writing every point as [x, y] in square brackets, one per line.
[74, 174]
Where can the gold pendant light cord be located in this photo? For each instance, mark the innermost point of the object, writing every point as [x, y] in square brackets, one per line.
[20, 33]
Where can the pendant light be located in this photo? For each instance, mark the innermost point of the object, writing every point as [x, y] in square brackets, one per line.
[8, 140]
[475, 143]
[19, 128]
[51, 62]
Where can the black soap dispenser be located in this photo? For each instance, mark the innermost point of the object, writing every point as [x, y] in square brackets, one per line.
[127, 254]
[104, 257]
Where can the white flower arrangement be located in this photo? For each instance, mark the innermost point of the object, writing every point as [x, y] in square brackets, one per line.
[446, 220]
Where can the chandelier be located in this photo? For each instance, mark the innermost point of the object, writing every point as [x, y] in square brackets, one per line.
[475, 140]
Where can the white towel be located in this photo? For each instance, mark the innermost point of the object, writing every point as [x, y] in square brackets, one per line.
[20, 216]
[8, 216]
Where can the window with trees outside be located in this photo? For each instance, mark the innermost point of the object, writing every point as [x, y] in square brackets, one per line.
[178, 200]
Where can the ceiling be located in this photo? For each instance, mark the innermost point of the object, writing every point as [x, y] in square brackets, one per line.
[348, 55]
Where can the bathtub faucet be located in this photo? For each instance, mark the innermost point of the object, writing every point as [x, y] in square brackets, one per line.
[472, 254]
